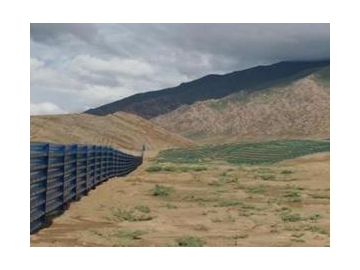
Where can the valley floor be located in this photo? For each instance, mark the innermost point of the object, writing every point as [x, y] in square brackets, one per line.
[215, 204]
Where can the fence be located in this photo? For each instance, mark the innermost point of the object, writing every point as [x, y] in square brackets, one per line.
[62, 173]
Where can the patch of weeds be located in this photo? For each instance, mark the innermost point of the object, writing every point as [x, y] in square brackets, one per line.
[293, 195]
[288, 217]
[131, 234]
[319, 196]
[284, 208]
[317, 229]
[315, 217]
[226, 203]
[200, 168]
[170, 206]
[241, 236]
[216, 220]
[143, 208]
[298, 240]
[267, 177]
[215, 183]
[169, 169]
[263, 170]
[259, 189]
[248, 206]
[154, 168]
[189, 241]
[245, 213]
[199, 198]
[293, 200]
[97, 233]
[286, 172]
[130, 215]
[183, 169]
[161, 191]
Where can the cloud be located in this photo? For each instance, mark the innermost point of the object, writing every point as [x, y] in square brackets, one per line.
[45, 108]
[118, 67]
[55, 32]
[79, 65]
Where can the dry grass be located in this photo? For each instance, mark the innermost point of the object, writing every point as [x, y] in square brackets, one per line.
[249, 212]
[103, 130]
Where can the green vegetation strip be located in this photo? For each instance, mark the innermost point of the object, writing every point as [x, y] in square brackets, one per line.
[245, 152]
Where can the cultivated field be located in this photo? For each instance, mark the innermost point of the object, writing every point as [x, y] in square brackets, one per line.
[198, 197]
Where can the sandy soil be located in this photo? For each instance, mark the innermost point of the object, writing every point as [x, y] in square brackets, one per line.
[286, 204]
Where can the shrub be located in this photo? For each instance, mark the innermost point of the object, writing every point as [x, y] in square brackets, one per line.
[132, 234]
[267, 177]
[290, 217]
[160, 190]
[189, 241]
[143, 208]
[130, 215]
[154, 168]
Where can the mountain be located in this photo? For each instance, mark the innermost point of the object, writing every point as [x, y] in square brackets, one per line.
[151, 104]
[297, 109]
[121, 130]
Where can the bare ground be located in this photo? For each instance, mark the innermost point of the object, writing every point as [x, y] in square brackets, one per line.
[286, 204]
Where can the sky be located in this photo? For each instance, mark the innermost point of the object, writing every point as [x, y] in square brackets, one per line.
[75, 67]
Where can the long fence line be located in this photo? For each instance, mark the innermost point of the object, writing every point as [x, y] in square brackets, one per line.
[60, 174]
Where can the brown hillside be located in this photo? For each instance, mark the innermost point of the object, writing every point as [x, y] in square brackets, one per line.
[121, 130]
[297, 110]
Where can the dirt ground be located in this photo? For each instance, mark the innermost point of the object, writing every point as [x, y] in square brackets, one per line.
[285, 204]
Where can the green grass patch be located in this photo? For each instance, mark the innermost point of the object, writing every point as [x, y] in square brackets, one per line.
[129, 234]
[224, 180]
[161, 191]
[267, 177]
[319, 196]
[290, 217]
[256, 189]
[317, 229]
[286, 172]
[171, 168]
[315, 217]
[253, 153]
[154, 168]
[227, 203]
[189, 241]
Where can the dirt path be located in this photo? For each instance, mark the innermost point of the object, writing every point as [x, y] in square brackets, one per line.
[286, 204]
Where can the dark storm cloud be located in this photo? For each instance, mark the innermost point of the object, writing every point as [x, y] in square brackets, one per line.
[93, 64]
[54, 32]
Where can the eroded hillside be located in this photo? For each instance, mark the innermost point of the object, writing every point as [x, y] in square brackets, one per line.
[122, 130]
[300, 109]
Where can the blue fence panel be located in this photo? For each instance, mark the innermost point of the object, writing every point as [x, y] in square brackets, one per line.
[61, 173]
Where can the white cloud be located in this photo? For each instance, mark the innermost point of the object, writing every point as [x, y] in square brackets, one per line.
[45, 108]
[84, 64]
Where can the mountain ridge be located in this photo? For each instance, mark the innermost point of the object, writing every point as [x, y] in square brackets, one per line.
[213, 86]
